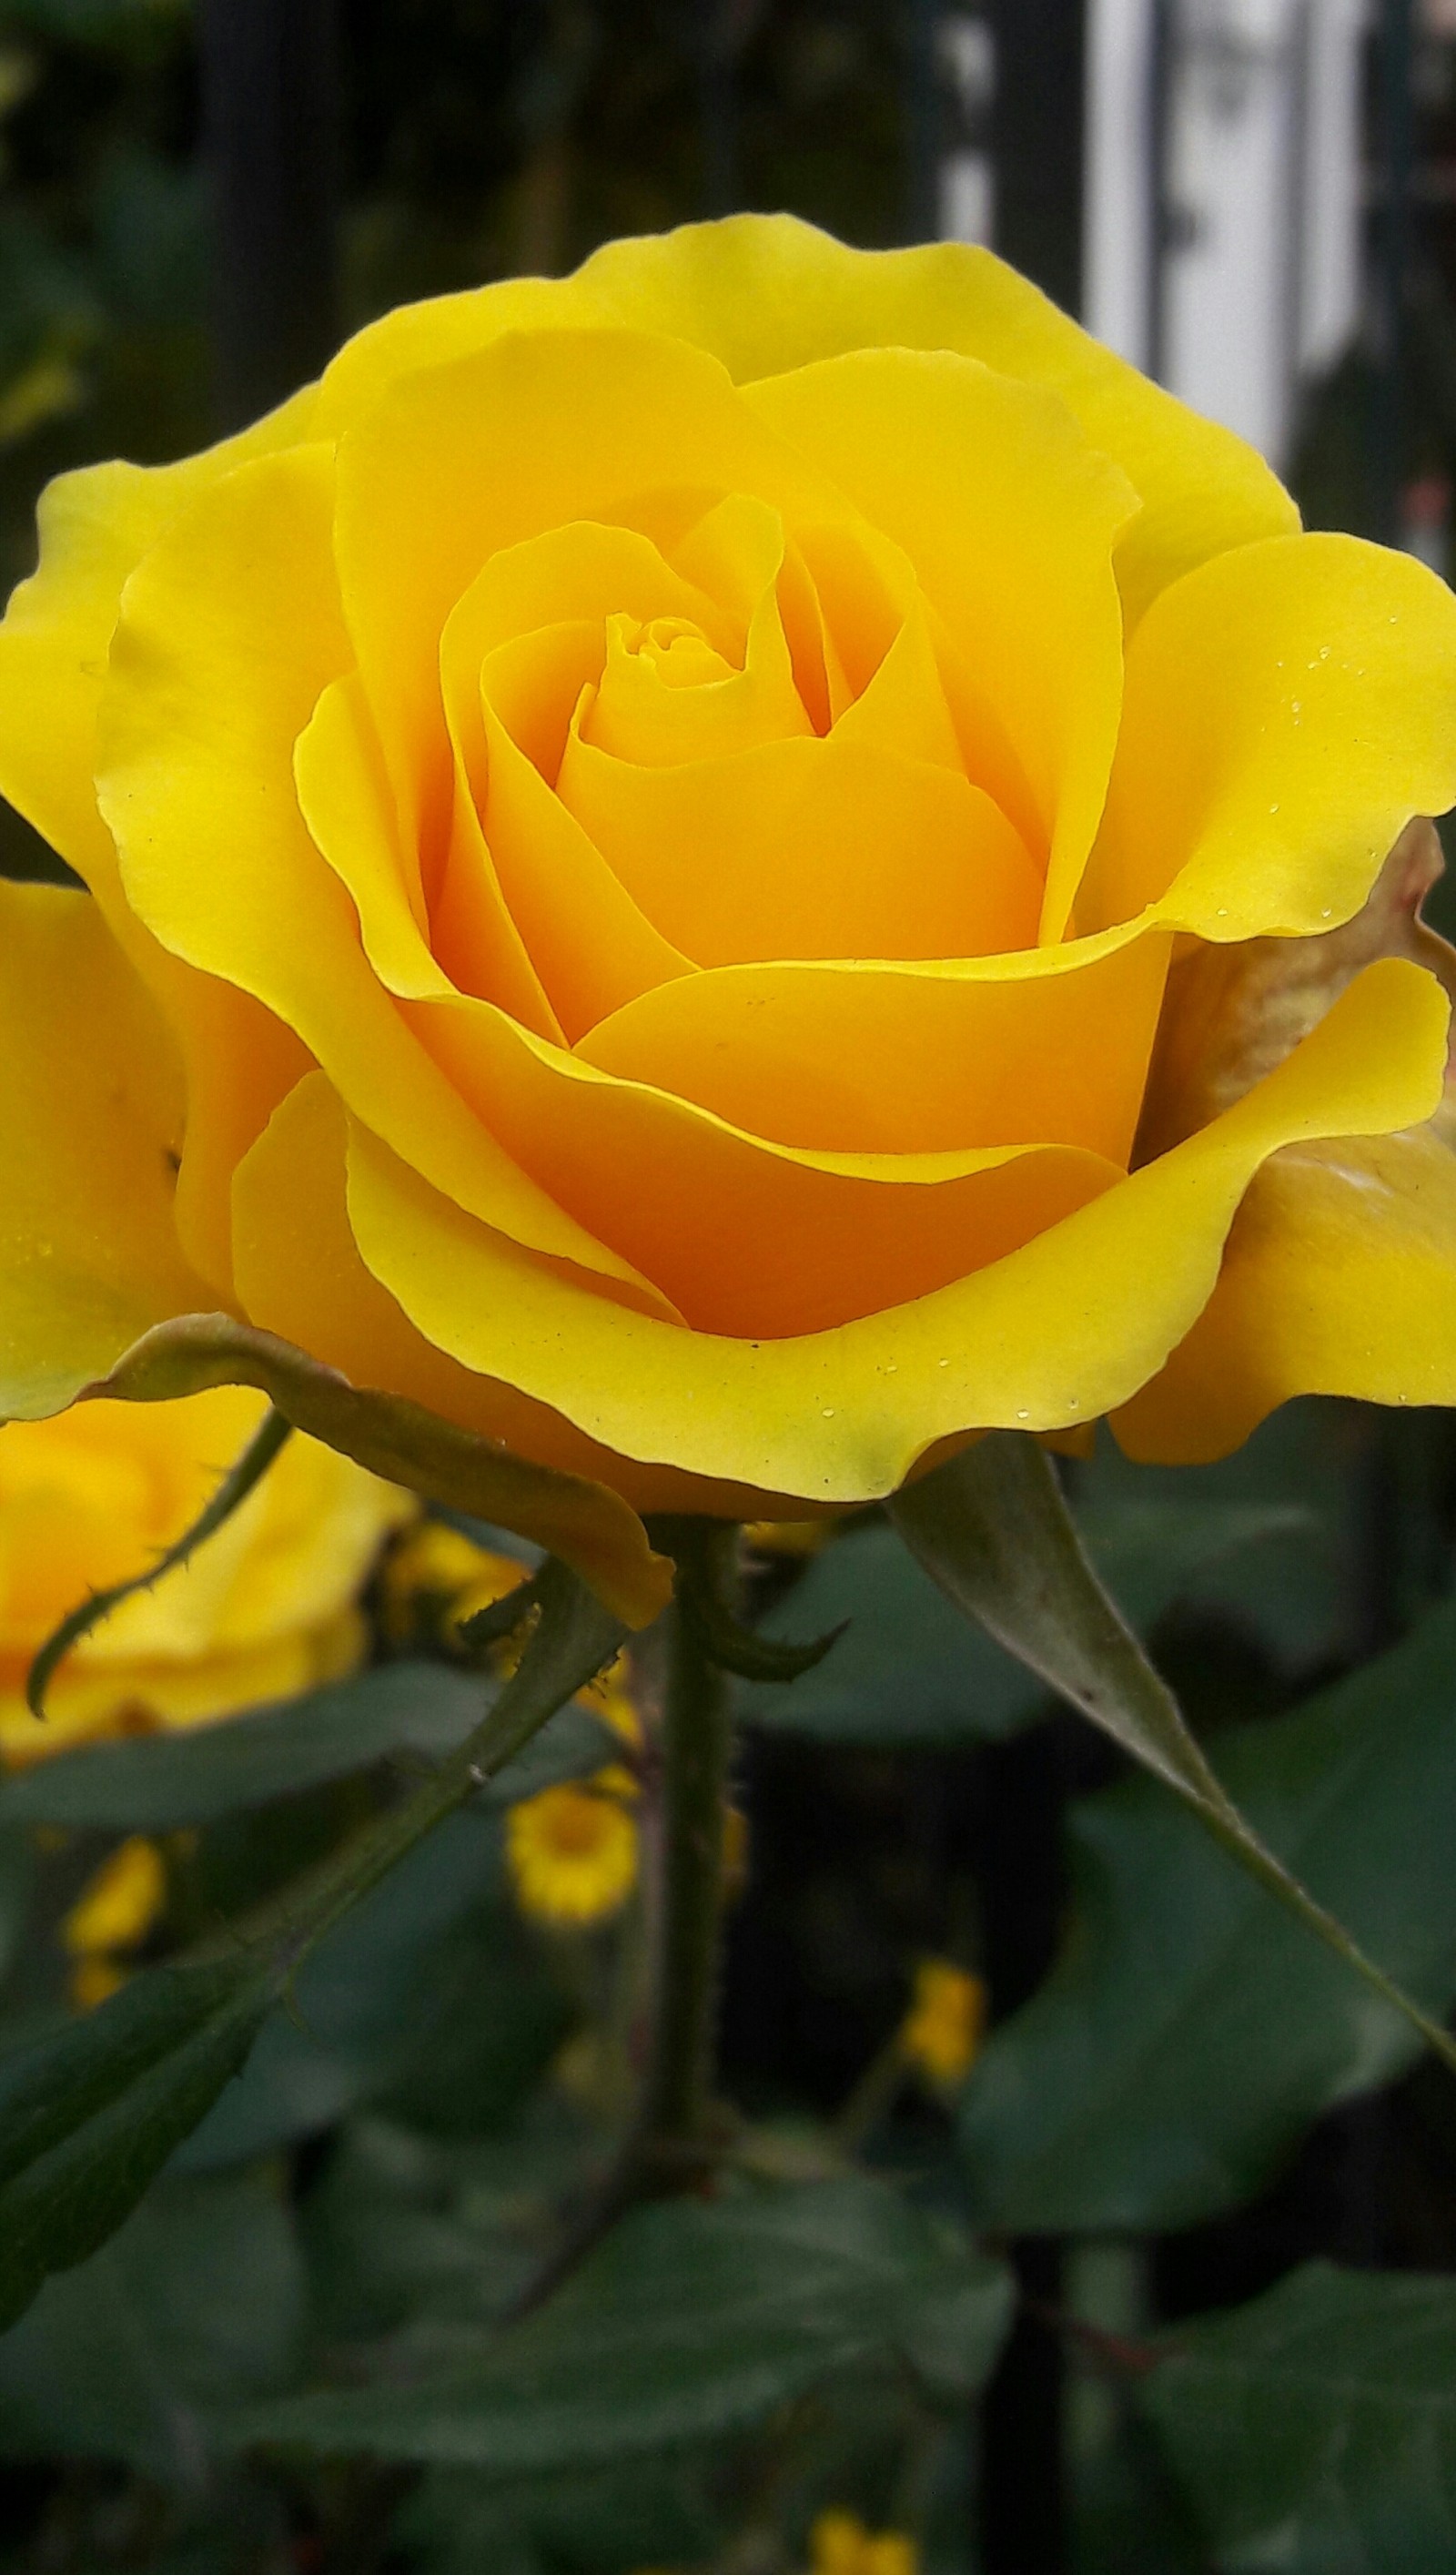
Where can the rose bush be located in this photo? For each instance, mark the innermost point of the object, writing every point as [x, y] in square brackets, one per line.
[265, 1609]
[636, 834]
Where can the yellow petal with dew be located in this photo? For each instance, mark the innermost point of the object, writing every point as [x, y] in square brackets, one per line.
[1287, 709]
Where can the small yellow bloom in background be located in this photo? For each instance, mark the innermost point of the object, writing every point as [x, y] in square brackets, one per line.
[93, 1981]
[839, 2544]
[942, 2031]
[573, 1850]
[117, 1907]
[267, 1606]
[113, 1914]
[436, 1577]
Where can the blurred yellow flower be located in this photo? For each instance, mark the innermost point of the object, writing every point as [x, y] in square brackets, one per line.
[265, 1606]
[113, 1914]
[573, 1850]
[437, 1576]
[117, 1907]
[941, 2032]
[839, 2544]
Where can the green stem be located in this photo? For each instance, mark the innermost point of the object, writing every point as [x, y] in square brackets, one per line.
[677, 2132]
[676, 2122]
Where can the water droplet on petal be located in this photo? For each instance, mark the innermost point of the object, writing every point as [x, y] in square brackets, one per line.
[1023, 1412]
[828, 1413]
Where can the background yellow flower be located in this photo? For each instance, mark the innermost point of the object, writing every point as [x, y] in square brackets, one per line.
[266, 1608]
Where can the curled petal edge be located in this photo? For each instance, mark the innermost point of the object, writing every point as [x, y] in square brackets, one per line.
[591, 1528]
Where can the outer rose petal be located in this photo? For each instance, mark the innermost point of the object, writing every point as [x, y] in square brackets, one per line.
[95, 526]
[89, 1256]
[1339, 1278]
[765, 293]
[300, 1275]
[1060, 1331]
[1287, 709]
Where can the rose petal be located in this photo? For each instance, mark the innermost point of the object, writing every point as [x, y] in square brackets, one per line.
[1287, 709]
[1339, 1278]
[228, 635]
[1010, 519]
[767, 293]
[89, 1256]
[1062, 1331]
[1051, 1047]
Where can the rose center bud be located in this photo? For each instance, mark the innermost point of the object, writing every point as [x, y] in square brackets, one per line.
[676, 654]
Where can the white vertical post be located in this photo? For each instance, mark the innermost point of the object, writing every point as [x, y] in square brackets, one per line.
[1117, 228]
[1330, 300]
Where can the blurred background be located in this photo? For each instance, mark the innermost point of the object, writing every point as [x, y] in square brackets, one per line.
[1255, 200]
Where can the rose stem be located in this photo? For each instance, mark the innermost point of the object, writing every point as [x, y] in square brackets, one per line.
[678, 2130]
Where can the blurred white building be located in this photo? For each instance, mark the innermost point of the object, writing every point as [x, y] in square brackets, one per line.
[1227, 133]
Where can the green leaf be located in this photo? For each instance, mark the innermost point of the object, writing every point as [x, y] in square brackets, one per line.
[152, 1784]
[646, 2513]
[195, 2302]
[1190, 2031]
[1315, 2430]
[369, 1997]
[991, 1527]
[909, 1669]
[690, 2323]
[89, 2117]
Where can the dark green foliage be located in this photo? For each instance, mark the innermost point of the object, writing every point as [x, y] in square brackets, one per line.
[1192, 2031]
[88, 2118]
[152, 1784]
[689, 2324]
[1315, 2431]
[197, 2302]
[909, 1669]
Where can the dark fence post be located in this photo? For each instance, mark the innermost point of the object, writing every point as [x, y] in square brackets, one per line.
[1036, 129]
[270, 114]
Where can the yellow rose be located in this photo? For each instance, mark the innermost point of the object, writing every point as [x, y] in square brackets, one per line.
[265, 1608]
[638, 831]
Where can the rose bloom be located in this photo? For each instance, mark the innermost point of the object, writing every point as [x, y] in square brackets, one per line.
[725, 871]
[267, 1608]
